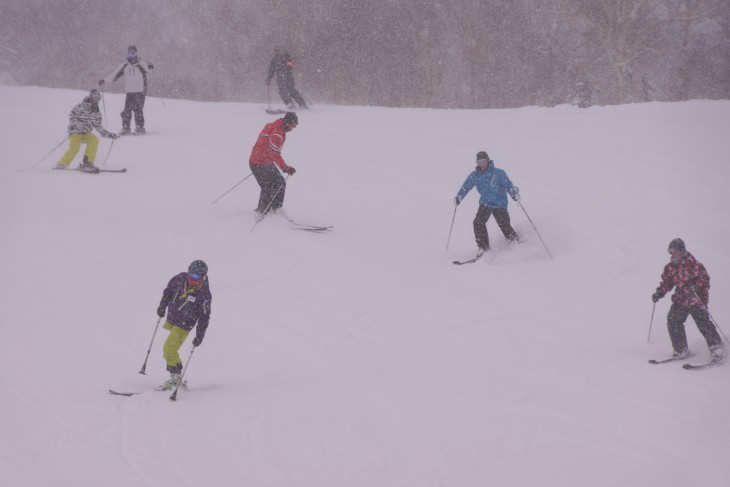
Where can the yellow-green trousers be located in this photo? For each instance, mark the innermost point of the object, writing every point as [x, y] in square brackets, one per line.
[74, 144]
[173, 343]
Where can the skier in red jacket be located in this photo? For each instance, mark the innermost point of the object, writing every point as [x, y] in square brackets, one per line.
[264, 160]
[691, 296]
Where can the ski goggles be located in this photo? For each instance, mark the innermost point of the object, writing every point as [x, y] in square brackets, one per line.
[131, 53]
[195, 276]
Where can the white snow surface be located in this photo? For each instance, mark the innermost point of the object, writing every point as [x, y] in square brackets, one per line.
[363, 357]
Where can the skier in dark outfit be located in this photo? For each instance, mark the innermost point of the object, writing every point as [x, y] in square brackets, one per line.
[186, 299]
[691, 296]
[135, 73]
[282, 66]
[264, 160]
[493, 185]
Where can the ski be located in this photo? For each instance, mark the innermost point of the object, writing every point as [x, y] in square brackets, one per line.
[123, 393]
[307, 227]
[310, 228]
[275, 111]
[470, 261]
[701, 366]
[122, 170]
[670, 359]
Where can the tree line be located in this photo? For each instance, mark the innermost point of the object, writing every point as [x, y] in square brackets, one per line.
[403, 53]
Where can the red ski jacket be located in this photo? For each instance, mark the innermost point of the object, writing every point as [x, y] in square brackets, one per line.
[267, 149]
[687, 272]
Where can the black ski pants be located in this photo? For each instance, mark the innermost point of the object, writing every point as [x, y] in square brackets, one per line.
[273, 186]
[133, 103]
[480, 225]
[288, 93]
[675, 323]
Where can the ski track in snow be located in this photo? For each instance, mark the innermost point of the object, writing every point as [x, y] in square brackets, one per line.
[363, 356]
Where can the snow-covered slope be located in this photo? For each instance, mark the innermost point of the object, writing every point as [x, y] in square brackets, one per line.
[362, 357]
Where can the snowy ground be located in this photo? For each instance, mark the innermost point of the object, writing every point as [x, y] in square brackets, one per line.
[363, 357]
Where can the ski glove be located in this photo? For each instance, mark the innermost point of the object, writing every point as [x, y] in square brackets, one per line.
[457, 200]
[113, 136]
[197, 341]
[161, 311]
[101, 82]
[657, 296]
[515, 193]
[290, 170]
[150, 66]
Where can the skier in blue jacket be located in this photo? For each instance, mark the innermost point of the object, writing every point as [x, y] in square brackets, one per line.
[493, 185]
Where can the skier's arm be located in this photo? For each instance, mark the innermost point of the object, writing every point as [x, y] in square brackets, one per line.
[272, 68]
[116, 74]
[667, 282]
[203, 322]
[166, 296]
[467, 186]
[275, 144]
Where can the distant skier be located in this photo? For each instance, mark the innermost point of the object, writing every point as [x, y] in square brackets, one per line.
[692, 283]
[493, 185]
[187, 300]
[83, 119]
[282, 66]
[135, 73]
[264, 160]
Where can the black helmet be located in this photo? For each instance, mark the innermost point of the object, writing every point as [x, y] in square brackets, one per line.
[677, 244]
[290, 118]
[482, 156]
[198, 267]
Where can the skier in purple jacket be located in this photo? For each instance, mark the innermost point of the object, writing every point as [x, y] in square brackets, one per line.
[186, 299]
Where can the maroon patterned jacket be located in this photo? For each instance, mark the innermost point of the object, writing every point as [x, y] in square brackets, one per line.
[687, 272]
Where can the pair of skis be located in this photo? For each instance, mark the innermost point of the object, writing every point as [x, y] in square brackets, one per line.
[712, 363]
[184, 386]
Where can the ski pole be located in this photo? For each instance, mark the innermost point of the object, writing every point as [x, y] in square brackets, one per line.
[268, 88]
[52, 150]
[174, 394]
[103, 103]
[234, 187]
[163, 103]
[452, 227]
[108, 152]
[144, 365]
[651, 322]
[533, 226]
[271, 202]
[712, 319]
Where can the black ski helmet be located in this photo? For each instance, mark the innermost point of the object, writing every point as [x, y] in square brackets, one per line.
[677, 244]
[290, 118]
[198, 267]
[482, 156]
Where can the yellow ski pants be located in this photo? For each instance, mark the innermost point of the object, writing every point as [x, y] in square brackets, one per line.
[173, 343]
[74, 144]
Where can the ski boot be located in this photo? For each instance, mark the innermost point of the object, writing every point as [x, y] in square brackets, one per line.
[139, 131]
[171, 383]
[88, 166]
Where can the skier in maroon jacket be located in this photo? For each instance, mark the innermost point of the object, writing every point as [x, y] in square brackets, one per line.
[692, 283]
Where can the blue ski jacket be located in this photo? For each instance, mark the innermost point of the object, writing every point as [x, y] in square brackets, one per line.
[492, 184]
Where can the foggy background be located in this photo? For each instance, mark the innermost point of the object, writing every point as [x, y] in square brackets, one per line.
[443, 54]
